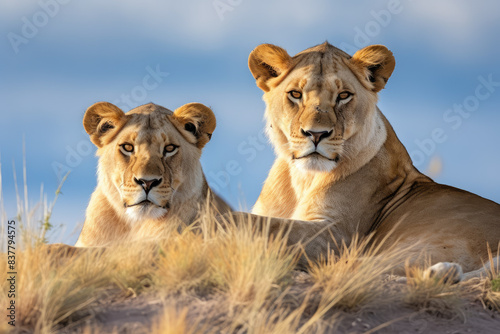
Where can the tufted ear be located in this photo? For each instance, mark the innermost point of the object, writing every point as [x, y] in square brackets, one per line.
[198, 120]
[376, 64]
[267, 61]
[101, 120]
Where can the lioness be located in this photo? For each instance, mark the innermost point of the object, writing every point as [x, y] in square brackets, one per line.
[341, 170]
[149, 172]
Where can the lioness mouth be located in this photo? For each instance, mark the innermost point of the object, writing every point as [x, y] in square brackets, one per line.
[148, 202]
[144, 202]
[316, 154]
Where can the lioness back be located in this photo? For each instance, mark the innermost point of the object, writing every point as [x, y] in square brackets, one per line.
[150, 178]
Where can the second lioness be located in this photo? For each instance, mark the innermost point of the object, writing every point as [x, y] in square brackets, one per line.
[149, 173]
[341, 170]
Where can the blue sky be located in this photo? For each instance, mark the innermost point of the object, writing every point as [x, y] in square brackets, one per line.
[57, 57]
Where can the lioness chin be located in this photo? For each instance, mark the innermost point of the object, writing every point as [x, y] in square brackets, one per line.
[341, 170]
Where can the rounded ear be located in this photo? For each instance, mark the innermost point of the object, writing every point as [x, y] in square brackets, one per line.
[267, 61]
[198, 120]
[376, 63]
[100, 120]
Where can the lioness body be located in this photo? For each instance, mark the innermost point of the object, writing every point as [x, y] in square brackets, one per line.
[341, 170]
[402, 197]
[149, 175]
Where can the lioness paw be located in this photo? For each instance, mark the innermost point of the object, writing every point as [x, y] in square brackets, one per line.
[446, 271]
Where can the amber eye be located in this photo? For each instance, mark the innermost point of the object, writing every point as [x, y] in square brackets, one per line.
[129, 148]
[343, 95]
[295, 94]
[171, 148]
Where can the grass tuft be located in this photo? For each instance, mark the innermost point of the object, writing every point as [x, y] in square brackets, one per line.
[174, 321]
[352, 279]
[433, 295]
[248, 265]
[490, 286]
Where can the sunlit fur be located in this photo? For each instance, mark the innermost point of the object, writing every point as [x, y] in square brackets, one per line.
[120, 207]
[359, 179]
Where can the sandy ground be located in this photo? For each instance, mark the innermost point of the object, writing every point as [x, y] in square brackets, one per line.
[137, 314]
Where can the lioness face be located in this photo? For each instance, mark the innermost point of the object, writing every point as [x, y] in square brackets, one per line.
[147, 154]
[321, 103]
[147, 159]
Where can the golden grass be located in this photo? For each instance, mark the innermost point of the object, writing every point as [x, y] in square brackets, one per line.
[490, 295]
[352, 279]
[433, 295]
[52, 291]
[490, 286]
[174, 321]
[182, 264]
[248, 265]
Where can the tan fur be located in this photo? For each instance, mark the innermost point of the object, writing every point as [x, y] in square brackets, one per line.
[116, 210]
[360, 178]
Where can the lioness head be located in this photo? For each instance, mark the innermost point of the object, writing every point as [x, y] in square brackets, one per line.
[321, 103]
[149, 157]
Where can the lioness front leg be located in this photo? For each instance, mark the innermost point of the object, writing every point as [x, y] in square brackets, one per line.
[61, 250]
[316, 238]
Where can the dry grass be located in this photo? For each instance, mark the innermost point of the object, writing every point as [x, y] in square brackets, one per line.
[174, 321]
[490, 286]
[52, 291]
[250, 277]
[491, 293]
[353, 279]
[182, 264]
[433, 295]
[248, 265]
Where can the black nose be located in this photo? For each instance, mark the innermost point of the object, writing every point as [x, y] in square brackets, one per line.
[316, 136]
[147, 185]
